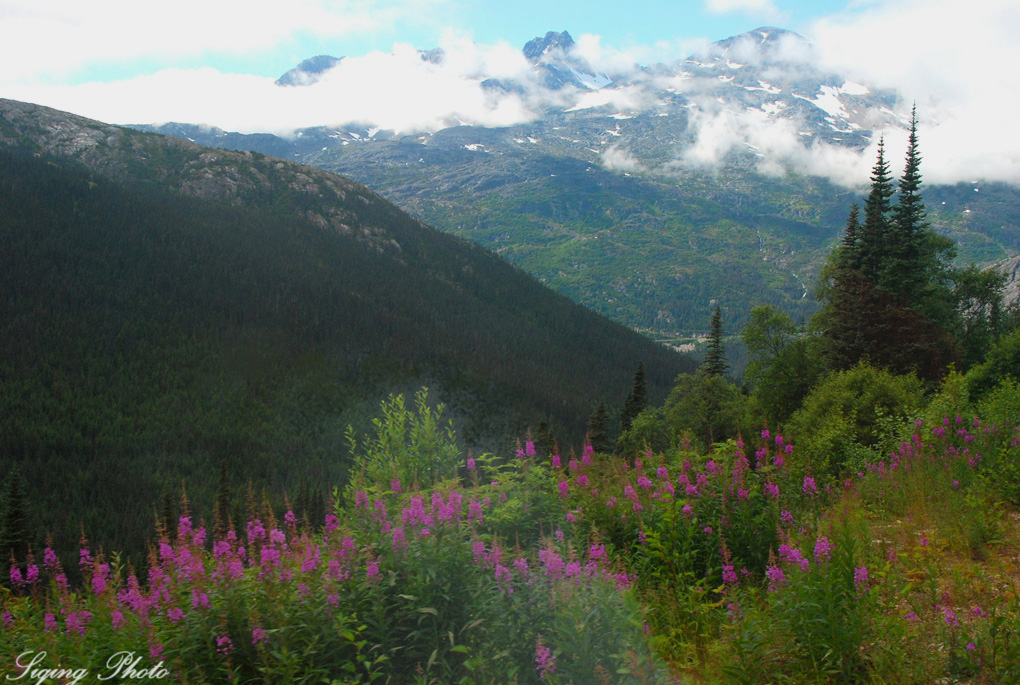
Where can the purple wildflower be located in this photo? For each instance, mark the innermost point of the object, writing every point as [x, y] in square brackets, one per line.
[224, 645]
[809, 486]
[861, 579]
[823, 549]
[544, 660]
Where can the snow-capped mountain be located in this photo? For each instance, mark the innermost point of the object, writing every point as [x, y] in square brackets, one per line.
[648, 193]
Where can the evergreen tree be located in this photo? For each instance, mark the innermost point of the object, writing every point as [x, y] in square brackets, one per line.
[715, 357]
[545, 441]
[874, 234]
[637, 399]
[850, 248]
[221, 512]
[14, 534]
[903, 272]
[598, 429]
[888, 288]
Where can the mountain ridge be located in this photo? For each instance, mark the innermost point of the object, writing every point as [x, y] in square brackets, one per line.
[715, 142]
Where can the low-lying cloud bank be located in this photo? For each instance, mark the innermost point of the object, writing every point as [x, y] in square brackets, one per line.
[955, 60]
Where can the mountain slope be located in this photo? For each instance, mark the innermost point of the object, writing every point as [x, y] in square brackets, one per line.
[655, 193]
[167, 309]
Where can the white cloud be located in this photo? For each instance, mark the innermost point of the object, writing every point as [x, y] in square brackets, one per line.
[619, 159]
[53, 38]
[958, 60]
[396, 90]
[760, 7]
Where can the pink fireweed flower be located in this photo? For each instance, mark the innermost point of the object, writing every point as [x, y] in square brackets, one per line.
[582, 481]
[643, 482]
[372, 569]
[290, 519]
[823, 549]
[174, 614]
[861, 579]
[50, 561]
[573, 465]
[564, 489]
[729, 575]
[99, 578]
[529, 448]
[183, 526]
[471, 464]
[77, 621]
[771, 490]
[395, 483]
[556, 461]
[950, 616]
[545, 662]
[50, 622]
[662, 473]
[259, 635]
[399, 539]
[793, 555]
[765, 435]
[7, 618]
[687, 510]
[587, 455]
[552, 562]
[224, 645]
[360, 500]
[521, 565]
[776, 578]
[474, 511]
[199, 599]
[256, 531]
[332, 523]
[84, 559]
[16, 578]
[809, 486]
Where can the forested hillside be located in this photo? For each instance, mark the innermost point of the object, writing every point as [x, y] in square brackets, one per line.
[152, 339]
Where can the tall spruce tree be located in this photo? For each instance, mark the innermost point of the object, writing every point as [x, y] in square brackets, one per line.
[637, 399]
[14, 532]
[850, 247]
[715, 356]
[598, 430]
[875, 233]
[903, 272]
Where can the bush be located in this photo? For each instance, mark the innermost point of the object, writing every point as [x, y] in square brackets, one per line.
[1003, 361]
[863, 407]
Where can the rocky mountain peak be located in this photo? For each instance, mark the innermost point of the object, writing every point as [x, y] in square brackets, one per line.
[308, 71]
[536, 48]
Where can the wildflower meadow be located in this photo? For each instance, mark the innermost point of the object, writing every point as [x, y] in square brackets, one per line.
[742, 564]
